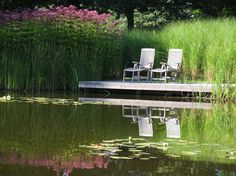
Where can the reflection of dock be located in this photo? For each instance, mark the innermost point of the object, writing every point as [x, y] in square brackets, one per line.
[150, 103]
[144, 112]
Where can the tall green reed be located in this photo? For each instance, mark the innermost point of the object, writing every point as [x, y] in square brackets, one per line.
[209, 50]
[37, 55]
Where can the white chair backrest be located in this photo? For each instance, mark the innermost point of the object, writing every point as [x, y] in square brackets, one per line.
[147, 57]
[174, 57]
[145, 127]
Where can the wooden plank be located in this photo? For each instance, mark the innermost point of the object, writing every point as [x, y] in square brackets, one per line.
[149, 103]
[146, 86]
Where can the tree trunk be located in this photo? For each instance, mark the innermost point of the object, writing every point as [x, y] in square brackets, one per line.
[129, 13]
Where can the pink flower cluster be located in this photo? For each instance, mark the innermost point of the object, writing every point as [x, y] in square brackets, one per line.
[70, 12]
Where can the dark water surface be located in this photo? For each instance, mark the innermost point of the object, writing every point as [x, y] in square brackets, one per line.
[59, 136]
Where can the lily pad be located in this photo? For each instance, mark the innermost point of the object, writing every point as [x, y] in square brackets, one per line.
[145, 153]
[120, 157]
[173, 155]
[188, 153]
[144, 158]
[135, 150]
[109, 141]
[138, 139]
[101, 154]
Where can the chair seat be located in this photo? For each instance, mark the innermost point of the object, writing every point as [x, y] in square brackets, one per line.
[159, 70]
[134, 69]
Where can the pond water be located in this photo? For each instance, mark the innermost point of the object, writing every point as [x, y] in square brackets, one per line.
[112, 136]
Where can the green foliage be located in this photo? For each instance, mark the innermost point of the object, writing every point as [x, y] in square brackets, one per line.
[209, 48]
[57, 55]
[50, 56]
[149, 20]
[132, 43]
[216, 8]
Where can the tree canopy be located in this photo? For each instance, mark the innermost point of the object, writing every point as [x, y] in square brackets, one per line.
[212, 8]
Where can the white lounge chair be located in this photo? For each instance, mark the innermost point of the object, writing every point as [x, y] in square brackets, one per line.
[144, 65]
[173, 65]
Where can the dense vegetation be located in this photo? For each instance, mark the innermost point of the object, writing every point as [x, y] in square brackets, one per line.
[54, 49]
[208, 45]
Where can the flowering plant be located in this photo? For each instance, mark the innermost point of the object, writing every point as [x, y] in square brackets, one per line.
[103, 21]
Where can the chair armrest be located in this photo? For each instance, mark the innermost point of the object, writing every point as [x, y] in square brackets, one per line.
[136, 64]
[151, 66]
[163, 65]
[178, 66]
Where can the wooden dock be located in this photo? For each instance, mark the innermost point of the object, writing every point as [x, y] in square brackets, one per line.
[147, 103]
[147, 86]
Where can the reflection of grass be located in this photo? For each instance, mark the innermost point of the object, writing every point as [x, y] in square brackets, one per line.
[34, 128]
[213, 131]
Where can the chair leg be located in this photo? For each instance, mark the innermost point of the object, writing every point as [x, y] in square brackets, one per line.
[174, 77]
[132, 79]
[165, 77]
[138, 76]
[151, 74]
[124, 76]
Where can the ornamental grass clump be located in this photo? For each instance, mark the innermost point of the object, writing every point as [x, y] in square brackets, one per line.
[209, 48]
[51, 49]
[209, 51]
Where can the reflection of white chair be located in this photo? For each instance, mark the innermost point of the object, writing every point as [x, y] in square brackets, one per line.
[129, 111]
[159, 113]
[144, 115]
[173, 65]
[145, 64]
[173, 128]
[145, 127]
[135, 111]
